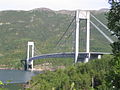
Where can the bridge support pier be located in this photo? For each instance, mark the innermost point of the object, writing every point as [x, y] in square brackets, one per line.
[87, 58]
[82, 15]
[30, 53]
[99, 56]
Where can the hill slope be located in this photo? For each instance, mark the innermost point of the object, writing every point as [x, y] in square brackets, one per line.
[44, 27]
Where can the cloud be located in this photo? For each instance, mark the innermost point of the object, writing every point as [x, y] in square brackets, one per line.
[53, 4]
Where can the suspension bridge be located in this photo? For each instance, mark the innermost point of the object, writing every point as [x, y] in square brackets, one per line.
[76, 54]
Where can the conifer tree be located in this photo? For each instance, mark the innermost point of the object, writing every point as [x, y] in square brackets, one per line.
[114, 25]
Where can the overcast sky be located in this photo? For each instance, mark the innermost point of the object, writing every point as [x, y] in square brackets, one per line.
[53, 4]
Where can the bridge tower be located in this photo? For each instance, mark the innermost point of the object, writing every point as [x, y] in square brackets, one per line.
[82, 15]
[30, 53]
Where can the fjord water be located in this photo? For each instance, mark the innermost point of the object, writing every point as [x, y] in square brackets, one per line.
[15, 76]
[14, 79]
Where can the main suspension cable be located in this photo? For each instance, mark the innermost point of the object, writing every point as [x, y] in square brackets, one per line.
[65, 32]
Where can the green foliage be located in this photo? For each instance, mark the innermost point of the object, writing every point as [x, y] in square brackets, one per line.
[1, 83]
[116, 47]
[2, 86]
[114, 19]
[113, 76]
[75, 77]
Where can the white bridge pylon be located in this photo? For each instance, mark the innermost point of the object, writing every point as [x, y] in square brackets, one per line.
[82, 15]
[30, 53]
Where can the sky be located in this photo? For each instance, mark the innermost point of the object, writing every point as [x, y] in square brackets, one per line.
[53, 4]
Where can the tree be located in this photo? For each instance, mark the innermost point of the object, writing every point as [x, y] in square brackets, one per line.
[113, 77]
[114, 18]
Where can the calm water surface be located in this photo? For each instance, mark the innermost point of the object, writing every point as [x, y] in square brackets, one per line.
[15, 76]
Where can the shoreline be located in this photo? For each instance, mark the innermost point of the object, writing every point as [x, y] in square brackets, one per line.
[39, 68]
[9, 69]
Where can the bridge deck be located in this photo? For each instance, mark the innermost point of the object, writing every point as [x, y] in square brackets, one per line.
[66, 55]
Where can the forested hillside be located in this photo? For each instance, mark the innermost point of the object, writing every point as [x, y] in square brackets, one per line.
[82, 76]
[44, 27]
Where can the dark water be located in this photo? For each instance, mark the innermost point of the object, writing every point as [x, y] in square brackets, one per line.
[15, 76]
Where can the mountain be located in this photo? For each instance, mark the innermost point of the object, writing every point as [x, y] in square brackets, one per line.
[44, 27]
